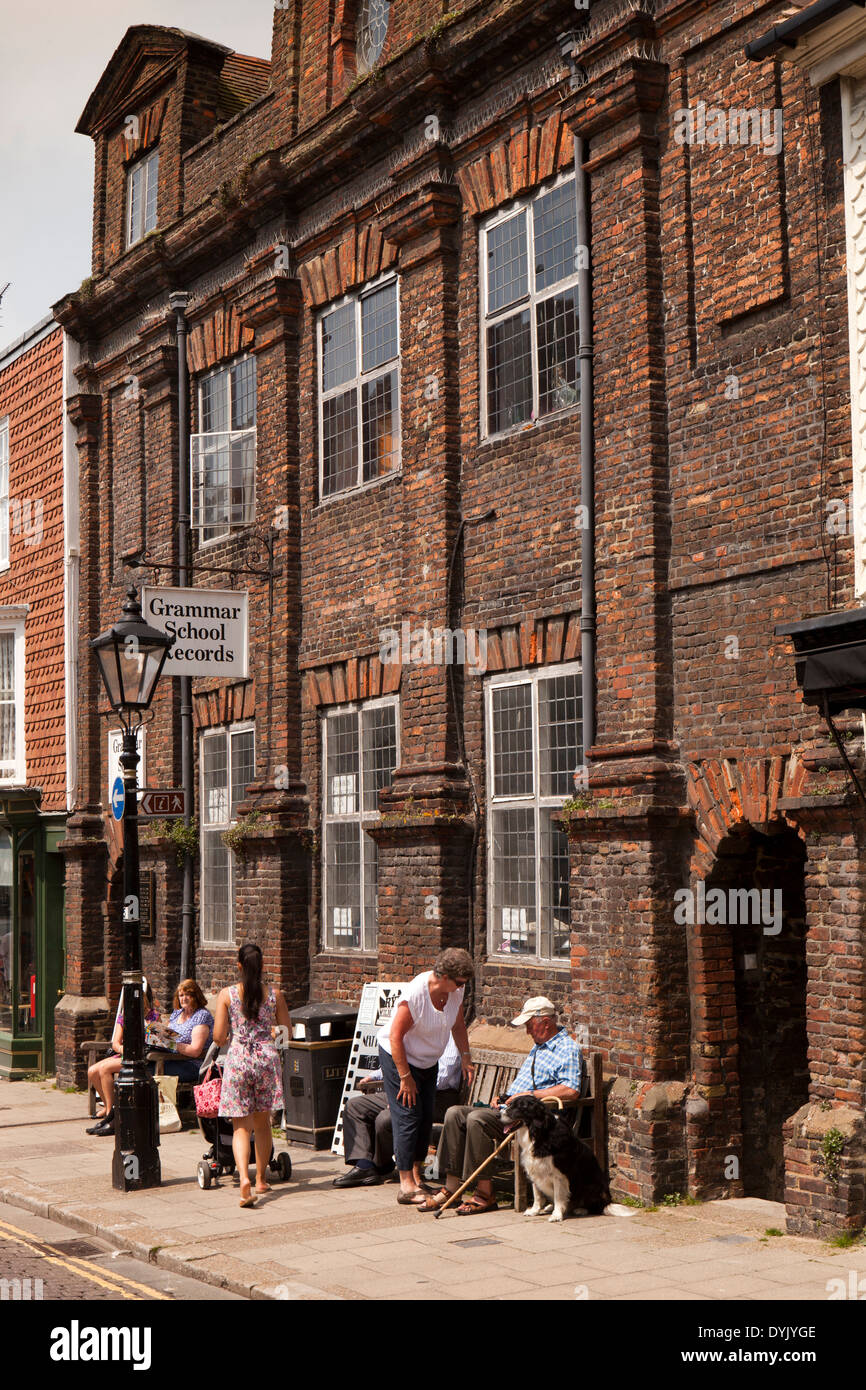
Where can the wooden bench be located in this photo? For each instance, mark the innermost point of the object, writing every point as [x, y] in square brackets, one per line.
[95, 1048]
[496, 1070]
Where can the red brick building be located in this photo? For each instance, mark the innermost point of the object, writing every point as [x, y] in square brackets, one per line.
[38, 602]
[378, 243]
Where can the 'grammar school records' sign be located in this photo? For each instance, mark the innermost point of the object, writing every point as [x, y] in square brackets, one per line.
[210, 628]
[378, 1002]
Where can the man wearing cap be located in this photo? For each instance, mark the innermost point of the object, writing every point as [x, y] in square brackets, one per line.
[554, 1067]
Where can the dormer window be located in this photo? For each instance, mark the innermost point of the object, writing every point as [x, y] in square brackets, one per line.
[142, 180]
[371, 28]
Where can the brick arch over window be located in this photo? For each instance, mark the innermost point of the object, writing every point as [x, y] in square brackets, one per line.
[149, 127]
[361, 255]
[522, 161]
[358, 678]
[725, 793]
[218, 337]
[229, 704]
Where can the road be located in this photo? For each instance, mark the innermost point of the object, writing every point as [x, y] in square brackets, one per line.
[83, 1268]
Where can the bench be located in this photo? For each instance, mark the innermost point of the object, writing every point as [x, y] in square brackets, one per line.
[495, 1070]
[95, 1048]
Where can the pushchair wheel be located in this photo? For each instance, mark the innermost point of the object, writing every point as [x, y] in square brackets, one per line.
[205, 1176]
[283, 1165]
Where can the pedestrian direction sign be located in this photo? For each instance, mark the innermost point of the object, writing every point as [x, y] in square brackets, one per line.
[171, 802]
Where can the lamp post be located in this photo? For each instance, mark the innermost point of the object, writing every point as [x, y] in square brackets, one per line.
[131, 656]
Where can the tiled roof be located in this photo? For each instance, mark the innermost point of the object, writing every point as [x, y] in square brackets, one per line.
[242, 80]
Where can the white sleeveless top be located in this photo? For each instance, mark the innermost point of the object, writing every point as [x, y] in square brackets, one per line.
[431, 1028]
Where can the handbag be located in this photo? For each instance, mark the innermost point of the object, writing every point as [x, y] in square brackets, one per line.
[169, 1119]
[207, 1096]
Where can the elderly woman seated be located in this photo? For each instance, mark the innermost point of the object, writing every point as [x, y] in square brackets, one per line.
[191, 1023]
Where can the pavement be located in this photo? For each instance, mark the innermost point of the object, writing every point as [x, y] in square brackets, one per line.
[307, 1241]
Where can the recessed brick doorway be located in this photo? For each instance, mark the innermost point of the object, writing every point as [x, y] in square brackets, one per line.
[759, 1018]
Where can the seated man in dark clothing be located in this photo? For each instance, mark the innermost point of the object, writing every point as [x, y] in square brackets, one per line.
[368, 1143]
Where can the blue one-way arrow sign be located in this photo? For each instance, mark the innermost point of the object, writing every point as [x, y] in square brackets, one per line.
[118, 799]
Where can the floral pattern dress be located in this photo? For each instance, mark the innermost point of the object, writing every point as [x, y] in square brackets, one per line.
[251, 1077]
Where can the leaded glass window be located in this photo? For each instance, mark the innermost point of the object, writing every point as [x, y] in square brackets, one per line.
[370, 30]
[359, 418]
[529, 310]
[534, 749]
[228, 766]
[360, 752]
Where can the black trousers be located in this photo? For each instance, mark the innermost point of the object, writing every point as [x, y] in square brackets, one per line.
[412, 1125]
[367, 1133]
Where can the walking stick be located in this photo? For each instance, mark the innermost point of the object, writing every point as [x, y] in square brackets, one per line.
[488, 1160]
[480, 1169]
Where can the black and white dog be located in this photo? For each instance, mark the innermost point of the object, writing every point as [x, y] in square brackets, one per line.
[563, 1171]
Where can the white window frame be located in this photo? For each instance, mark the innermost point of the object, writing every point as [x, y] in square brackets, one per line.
[369, 932]
[532, 299]
[357, 383]
[526, 800]
[229, 730]
[5, 560]
[146, 170]
[15, 773]
[196, 510]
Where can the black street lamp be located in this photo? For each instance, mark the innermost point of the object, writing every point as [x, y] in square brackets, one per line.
[131, 656]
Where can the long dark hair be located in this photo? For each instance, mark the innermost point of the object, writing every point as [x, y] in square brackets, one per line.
[250, 961]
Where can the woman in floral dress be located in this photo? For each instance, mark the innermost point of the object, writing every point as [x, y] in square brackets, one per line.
[252, 1083]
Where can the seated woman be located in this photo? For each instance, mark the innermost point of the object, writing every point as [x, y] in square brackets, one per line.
[192, 1024]
[101, 1075]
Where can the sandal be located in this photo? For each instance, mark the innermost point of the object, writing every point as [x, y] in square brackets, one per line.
[411, 1199]
[475, 1205]
[436, 1201]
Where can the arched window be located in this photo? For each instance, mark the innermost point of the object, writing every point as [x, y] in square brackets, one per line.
[371, 28]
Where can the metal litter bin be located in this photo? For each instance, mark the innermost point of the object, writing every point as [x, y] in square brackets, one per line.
[314, 1070]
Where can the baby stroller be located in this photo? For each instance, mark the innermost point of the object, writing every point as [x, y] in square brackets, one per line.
[217, 1132]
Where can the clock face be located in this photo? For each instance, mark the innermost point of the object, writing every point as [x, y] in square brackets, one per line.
[371, 28]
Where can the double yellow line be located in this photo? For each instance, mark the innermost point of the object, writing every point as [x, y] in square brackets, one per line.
[116, 1284]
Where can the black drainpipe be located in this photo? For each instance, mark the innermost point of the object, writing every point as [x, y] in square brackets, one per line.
[567, 43]
[587, 449]
[179, 301]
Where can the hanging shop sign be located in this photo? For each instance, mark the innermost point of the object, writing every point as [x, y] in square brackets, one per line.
[378, 1002]
[210, 628]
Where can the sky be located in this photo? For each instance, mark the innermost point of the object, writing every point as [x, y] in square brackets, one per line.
[54, 52]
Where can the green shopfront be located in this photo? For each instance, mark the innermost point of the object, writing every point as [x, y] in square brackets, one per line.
[31, 933]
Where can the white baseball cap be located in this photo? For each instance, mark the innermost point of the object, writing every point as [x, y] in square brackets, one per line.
[539, 1007]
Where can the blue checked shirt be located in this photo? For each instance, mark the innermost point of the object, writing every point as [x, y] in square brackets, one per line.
[557, 1063]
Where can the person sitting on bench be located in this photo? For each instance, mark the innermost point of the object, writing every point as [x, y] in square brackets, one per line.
[368, 1142]
[470, 1134]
